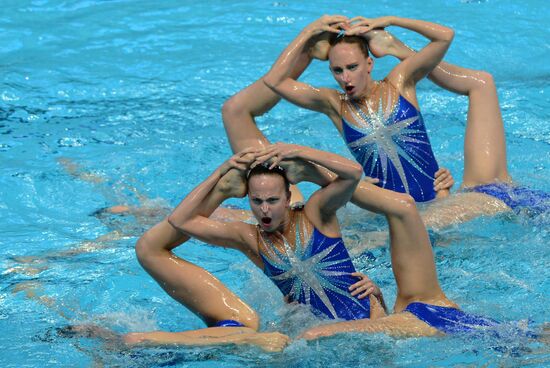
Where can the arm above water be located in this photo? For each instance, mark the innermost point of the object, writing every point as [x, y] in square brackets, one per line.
[322, 100]
[335, 193]
[187, 216]
[418, 65]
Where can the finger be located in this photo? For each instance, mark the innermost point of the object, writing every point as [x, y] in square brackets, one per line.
[244, 160]
[359, 19]
[360, 24]
[247, 150]
[336, 19]
[331, 29]
[439, 179]
[366, 294]
[275, 162]
[264, 157]
[368, 179]
[269, 148]
[239, 167]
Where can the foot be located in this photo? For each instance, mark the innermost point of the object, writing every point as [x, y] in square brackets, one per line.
[320, 47]
[268, 341]
[233, 184]
[88, 331]
[381, 43]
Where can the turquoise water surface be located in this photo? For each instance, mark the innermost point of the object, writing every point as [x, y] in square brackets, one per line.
[131, 93]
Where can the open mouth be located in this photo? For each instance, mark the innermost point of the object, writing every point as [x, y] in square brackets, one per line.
[266, 221]
[348, 89]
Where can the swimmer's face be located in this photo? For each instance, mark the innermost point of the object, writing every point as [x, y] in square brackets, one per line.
[269, 201]
[350, 68]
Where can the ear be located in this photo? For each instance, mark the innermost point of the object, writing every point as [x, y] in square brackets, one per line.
[288, 197]
[370, 64]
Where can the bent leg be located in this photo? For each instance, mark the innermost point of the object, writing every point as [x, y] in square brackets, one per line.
[240, 111]
[461, 207]
[397, 325]
[268, 341]
[411, 252]
[484, 143]
[192, 286]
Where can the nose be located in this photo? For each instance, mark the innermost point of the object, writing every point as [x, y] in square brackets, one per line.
[264, 207]
[345, 76]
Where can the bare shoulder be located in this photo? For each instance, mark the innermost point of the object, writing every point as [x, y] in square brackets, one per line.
[326, 223]
[248, 235]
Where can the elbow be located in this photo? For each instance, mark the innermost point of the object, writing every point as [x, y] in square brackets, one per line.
[270, 82]
[448, 35]
[144, 250]
[179, 225]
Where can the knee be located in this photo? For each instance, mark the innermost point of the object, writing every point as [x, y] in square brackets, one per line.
[143, 250]
[232, 108]
[407, 205]
[485, 80]
[251, 320]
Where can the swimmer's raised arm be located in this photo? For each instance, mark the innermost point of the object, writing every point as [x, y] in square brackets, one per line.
[417, 66]
[187, 218]
[296, 92]
[335, 193]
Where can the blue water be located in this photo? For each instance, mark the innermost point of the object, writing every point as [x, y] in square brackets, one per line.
[131, 92]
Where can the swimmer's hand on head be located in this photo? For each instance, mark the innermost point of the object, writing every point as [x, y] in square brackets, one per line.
[239, 161]
[288, 157]
[327, 23]
[319, 31]
[275, 153]
[360, 26]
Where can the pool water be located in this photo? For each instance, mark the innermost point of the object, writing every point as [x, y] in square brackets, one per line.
[131, 92]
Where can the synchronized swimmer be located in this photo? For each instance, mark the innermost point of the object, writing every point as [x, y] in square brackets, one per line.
[298, 244]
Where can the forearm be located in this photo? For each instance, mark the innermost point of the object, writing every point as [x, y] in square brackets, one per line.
[432, 31]
[202, 201]
[336, 164]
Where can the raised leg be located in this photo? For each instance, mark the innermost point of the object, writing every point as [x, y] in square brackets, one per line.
[411, 252]
[412, 264]
[240, 111]
[187, 283]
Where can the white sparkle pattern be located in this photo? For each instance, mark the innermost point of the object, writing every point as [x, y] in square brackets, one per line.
[306, 278]
[386, 135]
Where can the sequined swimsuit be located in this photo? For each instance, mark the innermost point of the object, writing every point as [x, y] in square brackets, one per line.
[315, 272]
[392, 145]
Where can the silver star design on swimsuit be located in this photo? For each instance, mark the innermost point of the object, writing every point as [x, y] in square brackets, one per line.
[386, 135]
[306, 274]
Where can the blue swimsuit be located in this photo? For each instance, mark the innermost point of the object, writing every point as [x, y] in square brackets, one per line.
[449, 320]
[315, 272]
[392, 145]
[519, 199]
